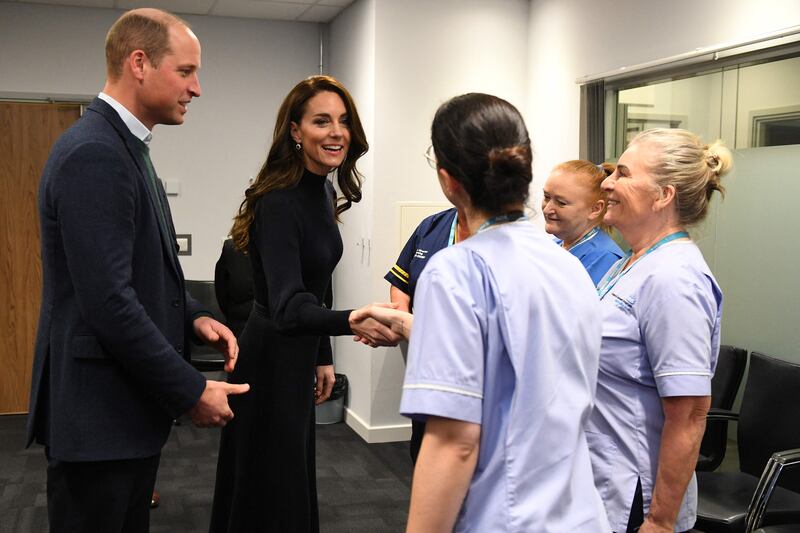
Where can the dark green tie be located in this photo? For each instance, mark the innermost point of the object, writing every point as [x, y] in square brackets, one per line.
[151, 174]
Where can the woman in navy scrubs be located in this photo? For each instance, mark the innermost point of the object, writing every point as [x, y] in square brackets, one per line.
[436, 232]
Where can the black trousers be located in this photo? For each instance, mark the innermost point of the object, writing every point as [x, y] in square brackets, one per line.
[100, 496]
[417, 432]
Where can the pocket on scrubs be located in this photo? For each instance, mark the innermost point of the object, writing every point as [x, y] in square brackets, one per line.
[604, 454]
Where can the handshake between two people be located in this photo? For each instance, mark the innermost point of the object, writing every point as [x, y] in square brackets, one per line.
[380, 324]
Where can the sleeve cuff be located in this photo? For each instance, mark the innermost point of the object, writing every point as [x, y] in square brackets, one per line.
[342, 320]
[196, 384]
[689, 383]
[398, 278]
[422, 400]
[195, 339]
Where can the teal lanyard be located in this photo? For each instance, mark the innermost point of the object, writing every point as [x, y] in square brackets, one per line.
[500, 219]
[452, 240]
[592, 232]
[616, 273]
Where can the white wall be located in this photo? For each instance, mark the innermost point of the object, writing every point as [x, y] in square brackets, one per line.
[248, 66]
[574, 38]
[352, 61]
[423, 54]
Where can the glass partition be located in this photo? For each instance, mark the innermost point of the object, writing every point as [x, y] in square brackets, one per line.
[749, 237]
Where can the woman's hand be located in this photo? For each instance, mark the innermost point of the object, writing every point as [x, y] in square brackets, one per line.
[399, 321]
[650, 527]
[684, 425]
[324, 386]
[371, 331]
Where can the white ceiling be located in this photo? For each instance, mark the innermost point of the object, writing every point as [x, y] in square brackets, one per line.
[299, 10]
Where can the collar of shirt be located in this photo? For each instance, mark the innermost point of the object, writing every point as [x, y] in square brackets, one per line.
[135, 126]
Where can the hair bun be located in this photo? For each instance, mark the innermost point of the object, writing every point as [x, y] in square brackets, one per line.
[508, 160]
[718, 158]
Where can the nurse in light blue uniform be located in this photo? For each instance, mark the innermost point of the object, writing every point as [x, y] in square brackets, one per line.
[662, 310]
[504, 352]
[573, 206]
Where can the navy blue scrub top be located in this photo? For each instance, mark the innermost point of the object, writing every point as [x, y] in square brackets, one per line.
[432, 235]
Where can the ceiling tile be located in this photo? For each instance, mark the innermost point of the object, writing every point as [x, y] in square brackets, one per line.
[302, 10]
[258, 9]
[187, 7]
[341, 3]
[305, 2]
[320, 14]
[75, 3]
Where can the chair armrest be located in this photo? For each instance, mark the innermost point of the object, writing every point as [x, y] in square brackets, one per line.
[721, 414]
[766, 486]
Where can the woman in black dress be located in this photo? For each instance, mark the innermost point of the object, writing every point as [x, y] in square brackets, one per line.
[266, 479]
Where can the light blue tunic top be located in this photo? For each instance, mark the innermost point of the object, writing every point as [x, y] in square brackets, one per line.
[661, 335]
[507, 335]
[597, 254]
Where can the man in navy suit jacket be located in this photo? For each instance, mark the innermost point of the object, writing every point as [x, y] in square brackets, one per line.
[110, 370]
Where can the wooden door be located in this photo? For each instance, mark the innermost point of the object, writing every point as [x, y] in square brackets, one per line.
[27, 131]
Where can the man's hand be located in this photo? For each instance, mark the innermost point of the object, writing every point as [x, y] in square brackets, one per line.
[212, 409]
[324, 386]
[218, 336]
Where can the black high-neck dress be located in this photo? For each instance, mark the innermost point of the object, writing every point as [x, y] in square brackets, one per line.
[266, 479]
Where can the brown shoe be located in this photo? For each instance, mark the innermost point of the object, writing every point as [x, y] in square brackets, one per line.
[155, 500]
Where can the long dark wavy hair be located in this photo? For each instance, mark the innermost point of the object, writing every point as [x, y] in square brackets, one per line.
[284, 165]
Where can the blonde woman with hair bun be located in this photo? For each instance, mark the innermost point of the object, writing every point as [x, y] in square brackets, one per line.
[661, 309]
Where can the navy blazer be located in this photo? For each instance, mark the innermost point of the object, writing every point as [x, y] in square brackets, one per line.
[110, 371]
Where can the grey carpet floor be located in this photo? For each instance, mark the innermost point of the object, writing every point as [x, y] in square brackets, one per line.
[362, 487]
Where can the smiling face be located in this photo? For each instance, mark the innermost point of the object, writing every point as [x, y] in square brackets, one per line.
[323, 132]
[631, 191]
[168, 88]
[569, 206]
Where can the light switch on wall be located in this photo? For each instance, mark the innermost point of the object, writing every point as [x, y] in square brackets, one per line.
[184, 243]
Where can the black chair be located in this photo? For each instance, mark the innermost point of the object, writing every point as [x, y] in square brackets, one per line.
[766, 485]
[206, 358]
[724, 386]
[768, 424]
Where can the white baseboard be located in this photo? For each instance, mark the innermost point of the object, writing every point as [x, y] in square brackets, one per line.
[375, 434]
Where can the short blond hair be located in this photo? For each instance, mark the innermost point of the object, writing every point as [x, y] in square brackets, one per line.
[137, 31]
[693, 168]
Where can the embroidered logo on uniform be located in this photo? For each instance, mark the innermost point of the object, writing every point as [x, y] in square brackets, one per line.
[624, 304]
[420, 253]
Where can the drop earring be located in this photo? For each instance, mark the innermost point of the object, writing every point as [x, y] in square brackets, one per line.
[298, 146]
